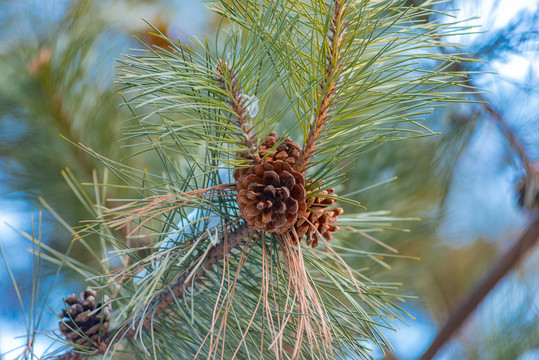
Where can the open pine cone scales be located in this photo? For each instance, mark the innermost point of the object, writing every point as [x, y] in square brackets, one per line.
[287, 151]
[318, 219]
[271, 196]
[87, 323]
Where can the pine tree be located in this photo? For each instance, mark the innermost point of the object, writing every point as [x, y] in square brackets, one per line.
[254, 135]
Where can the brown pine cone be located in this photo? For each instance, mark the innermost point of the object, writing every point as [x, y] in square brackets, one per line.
[287, 151]
[320, 218]
[527, 192]
[271, 196]
[87, 323]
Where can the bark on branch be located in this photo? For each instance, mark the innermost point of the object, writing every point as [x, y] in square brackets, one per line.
[510, 259]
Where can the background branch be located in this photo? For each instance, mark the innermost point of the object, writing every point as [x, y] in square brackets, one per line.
[507, 262]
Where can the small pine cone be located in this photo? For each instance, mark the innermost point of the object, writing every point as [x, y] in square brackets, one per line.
[87, 323]
[271, 196]
[318, 219]
[527, 193]
[287, 151]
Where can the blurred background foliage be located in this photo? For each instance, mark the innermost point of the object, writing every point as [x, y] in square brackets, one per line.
[56, 91]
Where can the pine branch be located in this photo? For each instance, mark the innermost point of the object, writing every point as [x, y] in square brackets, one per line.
[204, 109]
[328, 88]
[163, 302]
[216, 253]
[510, 136]
[508, 261]
[498, 118]
[229, 81]
[228, 243]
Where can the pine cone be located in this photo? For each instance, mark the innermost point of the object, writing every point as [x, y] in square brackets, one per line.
[287, 151]
[318, 219]
[527, 193]
[87, 323]
[271, 196]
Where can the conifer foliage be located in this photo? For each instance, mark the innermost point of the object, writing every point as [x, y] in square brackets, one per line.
[227, 273]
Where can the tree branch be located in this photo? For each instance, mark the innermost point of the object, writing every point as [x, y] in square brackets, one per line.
[509, 135]
[510, 259]
[177, 290]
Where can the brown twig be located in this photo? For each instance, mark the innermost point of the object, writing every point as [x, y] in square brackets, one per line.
[509, 135]
[328, 87]
[510, 259]
[158, 205]
[163, 302]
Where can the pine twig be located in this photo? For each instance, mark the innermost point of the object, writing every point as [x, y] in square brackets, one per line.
[328, 86]
[509, 135]
[228, 243]
[214, 255]
[229, 81]
[510, 259]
